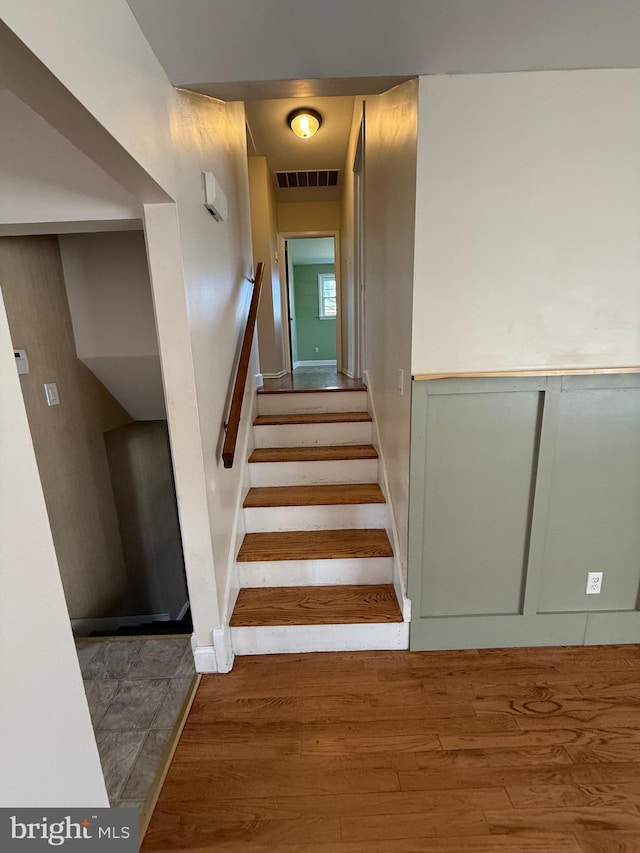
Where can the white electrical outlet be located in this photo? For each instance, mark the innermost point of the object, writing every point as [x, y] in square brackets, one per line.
[594, 583]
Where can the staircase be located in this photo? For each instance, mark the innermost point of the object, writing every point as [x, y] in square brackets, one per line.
[316, 566]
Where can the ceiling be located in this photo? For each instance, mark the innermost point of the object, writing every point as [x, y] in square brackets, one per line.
[287, 50]
[313, 250]
[224, 42]
[271, 137]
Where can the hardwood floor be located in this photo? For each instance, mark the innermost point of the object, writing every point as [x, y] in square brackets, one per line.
[508, 750]
[311, 379]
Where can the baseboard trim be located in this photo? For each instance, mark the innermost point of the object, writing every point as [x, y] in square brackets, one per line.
[398, 574]
[277, 375]
[84, 627]
[218, 657]
[348, 373]
[316, 363]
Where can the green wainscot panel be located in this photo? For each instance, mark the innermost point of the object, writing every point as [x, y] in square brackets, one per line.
[518, 488]
[476, 483]
[593, 519]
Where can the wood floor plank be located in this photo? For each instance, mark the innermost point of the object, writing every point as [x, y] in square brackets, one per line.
[609, 841]
[535, 843]
[316, 453]
[333, 495]
[376, 828]
[315, 545]
[396, 751]
[312, 418]
[316, 605]
[559, 796]
[337, 805]
[563, 820]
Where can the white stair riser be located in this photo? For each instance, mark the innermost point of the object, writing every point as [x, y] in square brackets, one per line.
[319, 638]
[344, 517]
[310, 435]
[313, 473]
[362, 570]
[325, 401]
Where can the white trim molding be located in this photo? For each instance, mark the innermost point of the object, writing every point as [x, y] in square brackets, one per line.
[277, 375]
[398, 571]
[317, 363]
[218, 657]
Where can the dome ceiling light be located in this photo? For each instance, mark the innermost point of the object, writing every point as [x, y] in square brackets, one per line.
[304, 122]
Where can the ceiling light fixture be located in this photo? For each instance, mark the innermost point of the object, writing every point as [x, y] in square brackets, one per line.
[304, 122]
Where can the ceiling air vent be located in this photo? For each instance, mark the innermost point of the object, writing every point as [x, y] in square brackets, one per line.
[296, 180]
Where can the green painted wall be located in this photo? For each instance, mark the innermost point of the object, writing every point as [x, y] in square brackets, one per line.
[518, 488]
[311, 331]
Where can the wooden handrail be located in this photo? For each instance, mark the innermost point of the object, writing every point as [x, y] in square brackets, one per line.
[233, 424]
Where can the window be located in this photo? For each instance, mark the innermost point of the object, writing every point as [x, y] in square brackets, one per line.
[327, 295]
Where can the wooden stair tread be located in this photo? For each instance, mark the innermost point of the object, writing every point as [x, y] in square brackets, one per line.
[315, 545]
[316, 605]
[320, 453]
[347, 493]
[313, 418]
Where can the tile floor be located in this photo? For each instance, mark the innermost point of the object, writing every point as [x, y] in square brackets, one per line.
[135, 689]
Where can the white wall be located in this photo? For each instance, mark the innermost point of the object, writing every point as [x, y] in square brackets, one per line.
[109, 292]
[264, 232]
[390, 174]
[47, 748]
[528, 222]
[45, 179]
[157, 142]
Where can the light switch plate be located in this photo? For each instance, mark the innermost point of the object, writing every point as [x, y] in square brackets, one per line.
[22, 362]
[51, 393]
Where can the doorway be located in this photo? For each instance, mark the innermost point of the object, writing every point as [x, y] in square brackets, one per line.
[312, 297]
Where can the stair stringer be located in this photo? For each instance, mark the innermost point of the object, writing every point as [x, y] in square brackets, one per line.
[219, 656]
[399, 574]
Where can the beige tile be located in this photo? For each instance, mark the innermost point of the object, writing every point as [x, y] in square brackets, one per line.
[172, 703]
[159, 658]
[112, 659]
[147, 765]
[187, 667]
[86, 651]
[130, 804]
[135, 704]
[100, 694]
[118, 752]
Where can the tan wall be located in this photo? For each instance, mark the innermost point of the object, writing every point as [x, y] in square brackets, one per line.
[348, 295]
[390, 194]
[264, 233]
[67, 438]
[309, 216]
